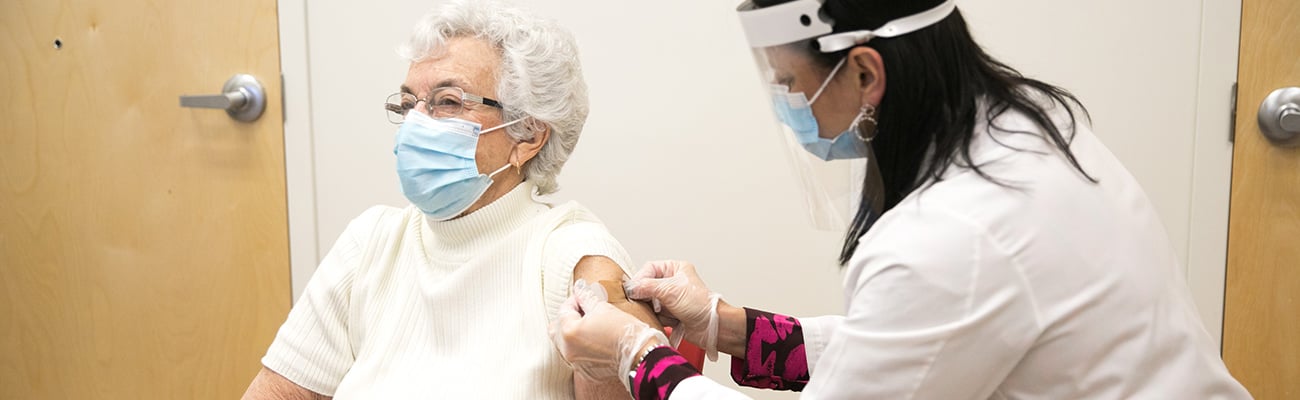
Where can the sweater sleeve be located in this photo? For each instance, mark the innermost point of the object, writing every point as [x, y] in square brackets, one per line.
[312, 348]
[567, 245]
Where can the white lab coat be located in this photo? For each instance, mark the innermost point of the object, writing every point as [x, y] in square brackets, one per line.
[1055, 288]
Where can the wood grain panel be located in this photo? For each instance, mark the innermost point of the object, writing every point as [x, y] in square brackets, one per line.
[1261, 340]
[143, 246]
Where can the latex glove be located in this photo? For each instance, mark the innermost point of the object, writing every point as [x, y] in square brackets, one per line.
[682, 301]
[600, 341]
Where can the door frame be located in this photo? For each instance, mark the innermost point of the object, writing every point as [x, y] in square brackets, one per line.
[1207, 239]
[299, 148]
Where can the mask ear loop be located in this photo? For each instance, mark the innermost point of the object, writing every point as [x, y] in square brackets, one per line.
[503, 168]
[502, 126]
[518, 168]
[827, 82]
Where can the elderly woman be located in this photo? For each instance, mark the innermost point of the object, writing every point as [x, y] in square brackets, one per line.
[451, 297]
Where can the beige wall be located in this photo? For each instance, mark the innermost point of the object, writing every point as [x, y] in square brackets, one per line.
[679, 155]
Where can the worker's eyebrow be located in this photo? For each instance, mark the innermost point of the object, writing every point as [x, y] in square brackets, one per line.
[406, 89]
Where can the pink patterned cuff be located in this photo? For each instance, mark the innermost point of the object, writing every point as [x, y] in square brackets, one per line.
[660, 372]
[774, 353]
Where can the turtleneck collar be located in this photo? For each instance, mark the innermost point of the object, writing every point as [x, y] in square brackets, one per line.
[463, 237]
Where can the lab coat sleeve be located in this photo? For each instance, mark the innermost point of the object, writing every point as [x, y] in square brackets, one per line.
[817, 335]
[936, 311]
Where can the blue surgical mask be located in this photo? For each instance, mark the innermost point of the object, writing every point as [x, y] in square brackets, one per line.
[435, 163]
[795, 111]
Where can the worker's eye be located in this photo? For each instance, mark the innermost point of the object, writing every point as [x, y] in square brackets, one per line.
[787, 81]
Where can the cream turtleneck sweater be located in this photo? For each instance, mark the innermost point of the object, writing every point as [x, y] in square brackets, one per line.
[402, 307]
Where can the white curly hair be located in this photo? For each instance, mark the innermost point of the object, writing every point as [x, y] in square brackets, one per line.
[540, 74]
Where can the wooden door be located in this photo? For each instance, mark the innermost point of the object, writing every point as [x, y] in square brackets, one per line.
[143, 246]
[1261, 329]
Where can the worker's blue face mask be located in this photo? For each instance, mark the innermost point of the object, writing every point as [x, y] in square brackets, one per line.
[435, 162]
[795, 111]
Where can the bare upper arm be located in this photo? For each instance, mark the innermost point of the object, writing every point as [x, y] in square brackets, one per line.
[596, 269]
[268, 385]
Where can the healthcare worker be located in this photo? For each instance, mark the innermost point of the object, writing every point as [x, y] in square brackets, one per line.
[999, 250]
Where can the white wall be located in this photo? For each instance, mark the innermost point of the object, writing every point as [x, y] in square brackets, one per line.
[679, 155]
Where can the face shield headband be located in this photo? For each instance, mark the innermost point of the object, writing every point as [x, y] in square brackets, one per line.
[802, 19]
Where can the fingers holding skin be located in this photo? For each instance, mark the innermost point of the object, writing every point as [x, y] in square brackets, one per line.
[646, 284]
[655, 275]
[662, 269]
[595, 337]
[682, 296]
[580, 303]
[589, 294]
[566, 320]
[569, 311]
[642, 286]
[645, 289]
[651, 270]
[594, 332]
[563, 328]
[659, 269]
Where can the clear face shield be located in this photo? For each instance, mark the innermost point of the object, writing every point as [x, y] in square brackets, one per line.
[832, 159]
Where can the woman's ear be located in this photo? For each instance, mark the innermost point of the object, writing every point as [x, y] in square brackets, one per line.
[526, 150]
[866, 64]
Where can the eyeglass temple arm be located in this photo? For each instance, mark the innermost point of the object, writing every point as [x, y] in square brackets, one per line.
[484, 100]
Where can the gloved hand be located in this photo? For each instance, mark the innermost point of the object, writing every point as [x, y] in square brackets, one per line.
[682, 301]
[600, 341]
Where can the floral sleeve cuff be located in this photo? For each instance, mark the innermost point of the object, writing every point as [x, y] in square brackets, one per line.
[659, 373]
[774, 353]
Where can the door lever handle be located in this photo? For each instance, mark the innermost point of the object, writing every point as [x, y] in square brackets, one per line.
[242, 97]
[219, 101]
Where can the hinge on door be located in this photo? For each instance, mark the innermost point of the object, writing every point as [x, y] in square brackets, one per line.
[1232, 119]
[284, 112]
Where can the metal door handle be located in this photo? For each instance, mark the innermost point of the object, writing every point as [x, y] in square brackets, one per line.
[1279, 117]
[242, 97]
[1290, 119]
[220, 101]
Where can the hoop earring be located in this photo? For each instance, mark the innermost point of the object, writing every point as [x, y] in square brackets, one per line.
[867, 131]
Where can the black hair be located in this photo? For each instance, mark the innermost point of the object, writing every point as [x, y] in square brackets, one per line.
[937, 77]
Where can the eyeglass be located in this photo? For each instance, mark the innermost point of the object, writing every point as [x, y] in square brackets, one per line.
[443, 102]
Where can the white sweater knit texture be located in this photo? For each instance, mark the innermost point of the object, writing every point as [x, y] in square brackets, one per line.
[404, 308]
